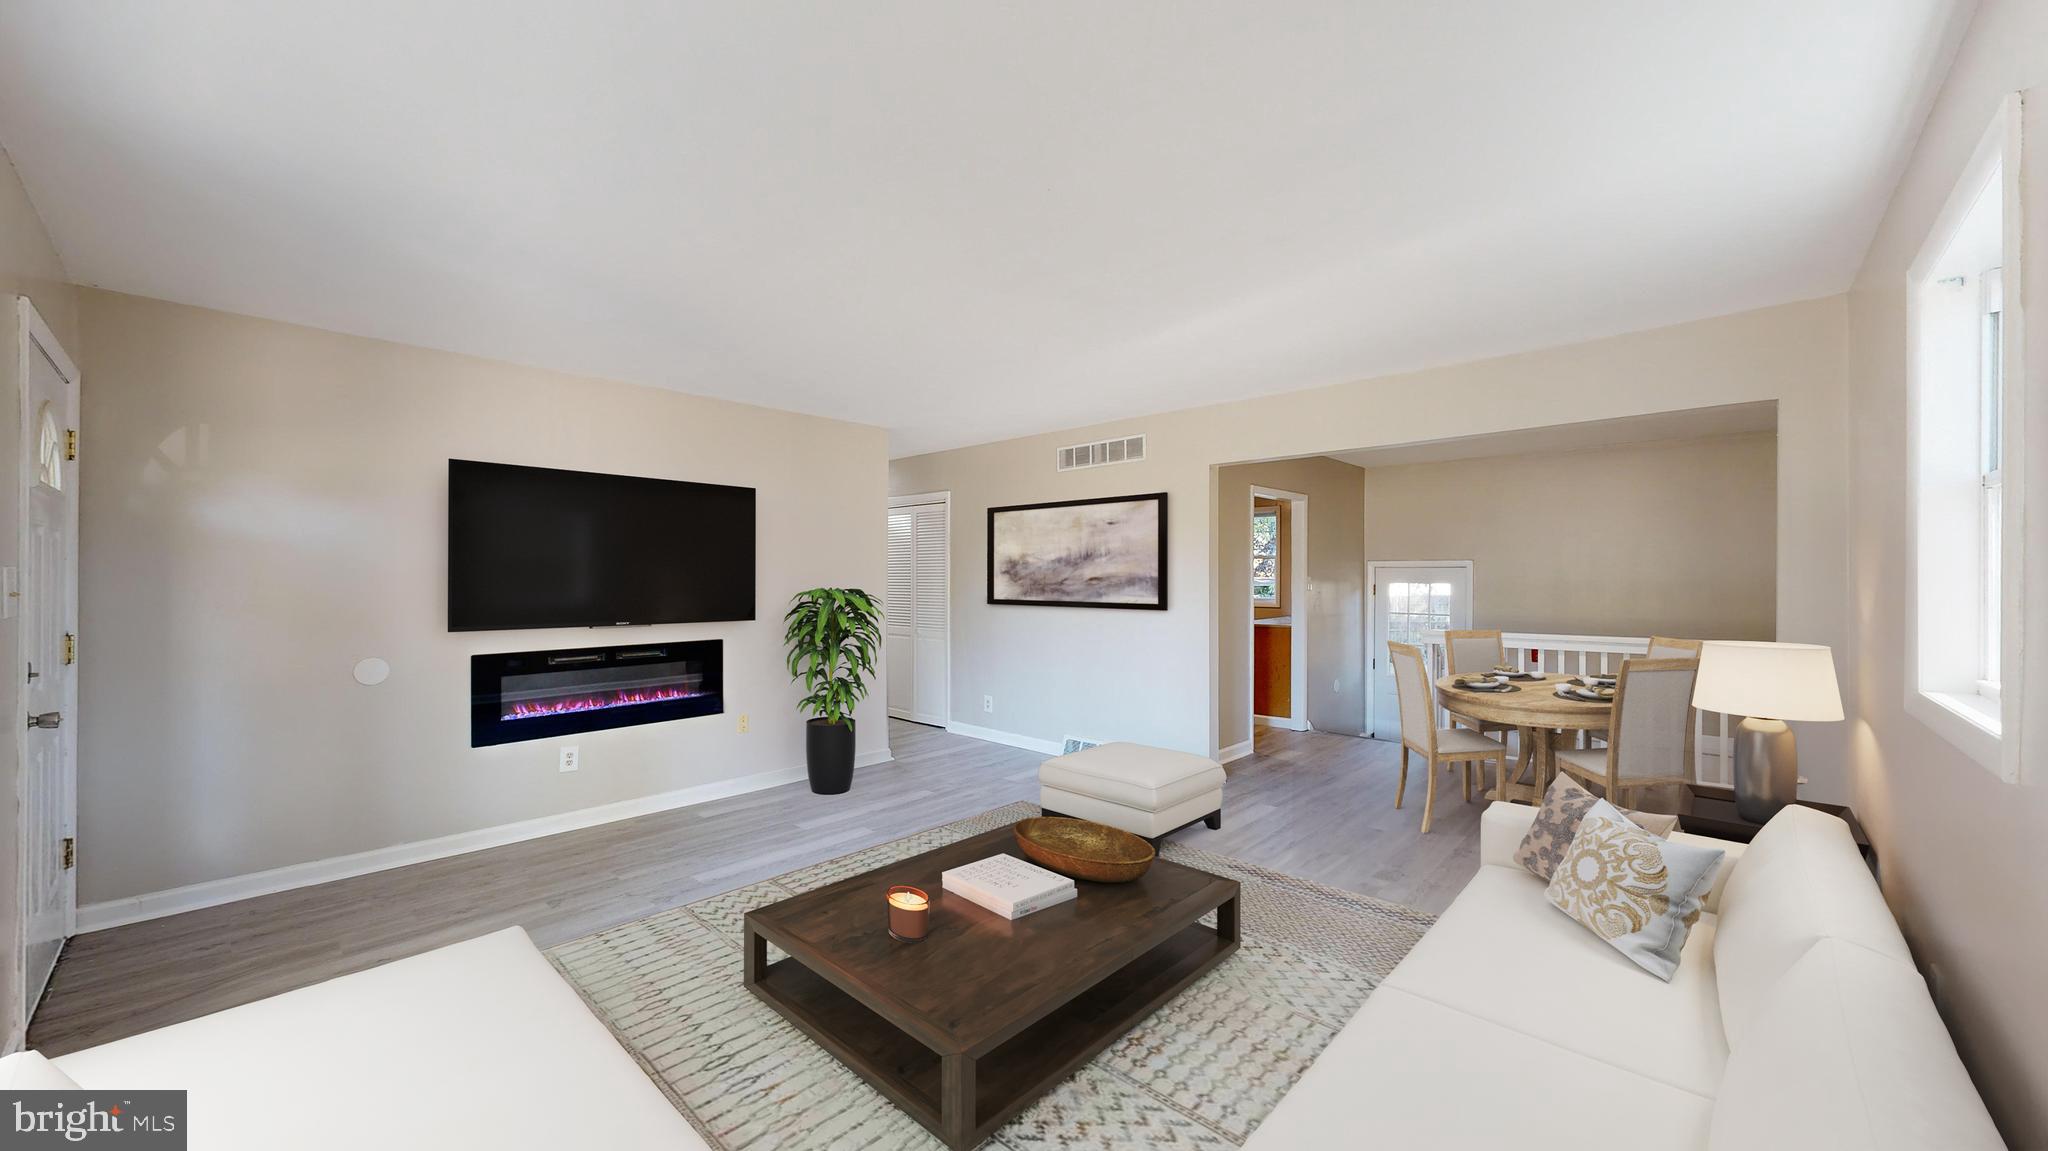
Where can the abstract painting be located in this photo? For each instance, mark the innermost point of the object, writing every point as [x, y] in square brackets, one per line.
[1080, 553]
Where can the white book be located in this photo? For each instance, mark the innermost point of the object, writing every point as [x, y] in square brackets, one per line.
[1008, 886]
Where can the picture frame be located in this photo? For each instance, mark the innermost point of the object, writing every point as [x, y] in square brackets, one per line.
[1105, 552]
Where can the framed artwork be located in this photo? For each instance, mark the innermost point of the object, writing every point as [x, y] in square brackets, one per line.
[1080, 553]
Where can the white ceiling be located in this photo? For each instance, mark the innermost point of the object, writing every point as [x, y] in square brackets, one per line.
[1692, 423]
[969, 221]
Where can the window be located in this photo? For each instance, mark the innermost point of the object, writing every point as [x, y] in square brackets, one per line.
[1415, 609]
[50, 448]
[1963, 446]
[1990, 479]
[1266, 557]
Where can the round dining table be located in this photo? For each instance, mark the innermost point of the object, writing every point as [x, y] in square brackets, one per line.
[1541, 716]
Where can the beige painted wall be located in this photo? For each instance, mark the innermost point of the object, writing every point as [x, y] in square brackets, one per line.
[1153, 676]
[1681, 541]
[265, 504]
[28, 266]
[1332, 618]
[1965, 856]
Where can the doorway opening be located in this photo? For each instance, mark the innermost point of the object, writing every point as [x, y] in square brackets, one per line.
[916, 619]
[1280, 602]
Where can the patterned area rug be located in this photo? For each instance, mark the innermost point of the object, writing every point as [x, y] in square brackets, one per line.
[1200, 1073]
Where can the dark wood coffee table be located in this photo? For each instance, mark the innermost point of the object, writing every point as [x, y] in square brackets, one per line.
[964, 1029]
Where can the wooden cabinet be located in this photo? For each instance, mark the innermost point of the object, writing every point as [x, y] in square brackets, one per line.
[1273, 670]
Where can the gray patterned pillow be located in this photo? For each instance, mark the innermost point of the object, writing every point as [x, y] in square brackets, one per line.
[1557, 821]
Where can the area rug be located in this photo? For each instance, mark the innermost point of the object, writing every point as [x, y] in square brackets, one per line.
[1200, 1073]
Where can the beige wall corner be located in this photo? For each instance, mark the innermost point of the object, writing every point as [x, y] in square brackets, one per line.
[1676, 537]
[1964, 855]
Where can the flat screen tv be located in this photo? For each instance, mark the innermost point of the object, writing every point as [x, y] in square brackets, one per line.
[541, 547]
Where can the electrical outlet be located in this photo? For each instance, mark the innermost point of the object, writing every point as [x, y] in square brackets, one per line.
[988, 704]
[743, 723]
[572, 758]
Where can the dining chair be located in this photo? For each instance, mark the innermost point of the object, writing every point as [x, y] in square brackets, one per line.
[1473, 649]
[1664, 647]
[1649, 741]
[1419, 733]
[1661, 647]
[1469, 650]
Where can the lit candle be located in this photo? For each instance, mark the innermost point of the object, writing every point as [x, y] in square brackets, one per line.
[909, 913]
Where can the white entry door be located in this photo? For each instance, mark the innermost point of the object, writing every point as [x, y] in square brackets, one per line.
[49, 625]
[915, 622]
[1408, 602]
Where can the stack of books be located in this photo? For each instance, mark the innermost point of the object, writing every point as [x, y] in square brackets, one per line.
[1008, 886]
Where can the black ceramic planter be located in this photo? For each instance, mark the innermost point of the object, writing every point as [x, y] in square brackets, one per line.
[828, 753]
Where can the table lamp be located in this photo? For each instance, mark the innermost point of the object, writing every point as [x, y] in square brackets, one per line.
[1767, 684]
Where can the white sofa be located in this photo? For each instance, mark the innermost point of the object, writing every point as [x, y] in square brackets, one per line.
[1796, 1020]
[480, 1044]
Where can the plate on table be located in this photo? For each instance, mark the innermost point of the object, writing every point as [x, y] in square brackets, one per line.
[1487, 686]
[1584, 694]
[1516, 675]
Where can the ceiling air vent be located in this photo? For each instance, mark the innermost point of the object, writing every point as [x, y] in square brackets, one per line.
[1123, 450]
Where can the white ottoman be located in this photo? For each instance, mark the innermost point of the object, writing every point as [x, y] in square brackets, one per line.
[1146, 791]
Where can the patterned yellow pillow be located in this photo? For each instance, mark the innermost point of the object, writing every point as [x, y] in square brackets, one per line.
[1638, 892]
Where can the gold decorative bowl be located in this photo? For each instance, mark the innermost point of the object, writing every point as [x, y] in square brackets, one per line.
[1084, 850]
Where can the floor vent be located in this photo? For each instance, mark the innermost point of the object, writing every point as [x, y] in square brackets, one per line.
[1076, 743]
[1122, 450]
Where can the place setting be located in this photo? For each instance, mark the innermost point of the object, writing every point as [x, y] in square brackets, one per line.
[1490, 682]
[1588, 688]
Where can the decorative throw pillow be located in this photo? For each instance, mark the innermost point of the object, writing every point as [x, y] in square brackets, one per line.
[1557, 821]
[1640, 893]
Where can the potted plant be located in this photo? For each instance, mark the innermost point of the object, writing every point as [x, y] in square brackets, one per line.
[832, 634]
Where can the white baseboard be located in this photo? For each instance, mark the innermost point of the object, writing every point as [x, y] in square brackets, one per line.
[214, 892]
[1234, 752]
[1281, 722]
[1028, 743]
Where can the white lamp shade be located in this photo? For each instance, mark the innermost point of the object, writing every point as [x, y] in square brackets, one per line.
[1768, 680]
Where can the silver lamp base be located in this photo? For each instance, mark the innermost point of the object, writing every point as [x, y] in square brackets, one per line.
[1766, 768]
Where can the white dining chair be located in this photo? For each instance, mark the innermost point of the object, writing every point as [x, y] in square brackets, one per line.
[1475, 650]
[1664, 647]
[1420, 734]
[1649, 739]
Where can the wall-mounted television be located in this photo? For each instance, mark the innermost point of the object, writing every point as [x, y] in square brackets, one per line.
[541, 547]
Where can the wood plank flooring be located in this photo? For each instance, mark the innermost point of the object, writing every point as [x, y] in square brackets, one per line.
[1319, 806]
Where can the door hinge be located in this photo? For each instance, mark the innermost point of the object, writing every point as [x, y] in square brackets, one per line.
[70, 648]
[70, 853]
[70, 443]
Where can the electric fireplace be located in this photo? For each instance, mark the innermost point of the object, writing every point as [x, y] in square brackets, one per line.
[543, 694]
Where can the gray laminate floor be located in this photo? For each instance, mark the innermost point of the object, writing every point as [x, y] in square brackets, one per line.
[1318, 806]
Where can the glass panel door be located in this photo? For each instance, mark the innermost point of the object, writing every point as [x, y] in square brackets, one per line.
[1408, 603]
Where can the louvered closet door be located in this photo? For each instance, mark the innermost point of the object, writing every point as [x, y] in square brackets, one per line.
[930, 618]
[915, 628]
[899, 612]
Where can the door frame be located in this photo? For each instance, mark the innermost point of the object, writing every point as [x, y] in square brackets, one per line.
[1297, 595]
[905, 501]
[34, 335]
[1372, 617]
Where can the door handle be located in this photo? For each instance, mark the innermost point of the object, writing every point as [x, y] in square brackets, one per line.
[49, 719]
